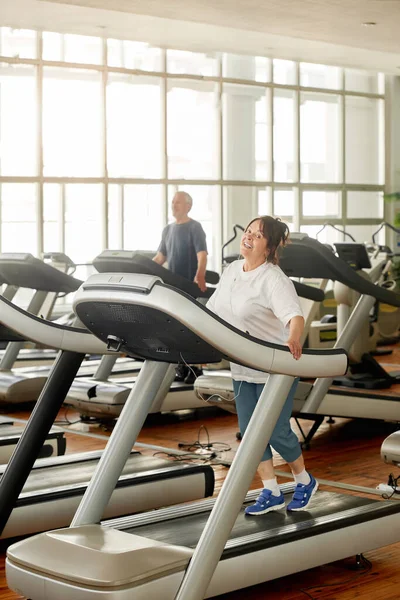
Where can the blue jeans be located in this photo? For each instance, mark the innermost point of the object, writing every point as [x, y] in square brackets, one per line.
[283, 438]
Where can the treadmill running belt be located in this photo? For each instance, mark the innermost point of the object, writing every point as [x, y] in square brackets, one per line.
[330, 511]
[64, 478]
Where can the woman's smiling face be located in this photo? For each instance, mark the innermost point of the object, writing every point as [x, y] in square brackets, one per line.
[253, 245]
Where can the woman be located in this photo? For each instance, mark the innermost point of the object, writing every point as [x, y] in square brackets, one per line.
[256, 296]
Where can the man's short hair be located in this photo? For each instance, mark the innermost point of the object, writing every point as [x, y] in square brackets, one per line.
[188, 197]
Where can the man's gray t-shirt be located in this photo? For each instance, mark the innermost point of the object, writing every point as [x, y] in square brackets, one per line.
[180, 243]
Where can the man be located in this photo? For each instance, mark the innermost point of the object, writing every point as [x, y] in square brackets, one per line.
[183, 243]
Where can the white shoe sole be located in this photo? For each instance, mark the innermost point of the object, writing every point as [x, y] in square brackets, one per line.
[308, 503]
[267, 510]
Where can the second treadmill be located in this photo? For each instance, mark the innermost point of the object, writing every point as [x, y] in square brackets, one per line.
[46, 494]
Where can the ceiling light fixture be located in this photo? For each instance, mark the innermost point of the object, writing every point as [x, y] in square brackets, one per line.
[369, 24]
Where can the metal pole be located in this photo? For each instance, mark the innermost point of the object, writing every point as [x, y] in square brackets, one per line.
[126, 431]
[10, 292]
[105, 367]
[220, 523]
[13, 348]
[164, 389]
[345, 341]
[34, 435]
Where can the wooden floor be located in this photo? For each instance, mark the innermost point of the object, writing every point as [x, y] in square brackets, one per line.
[345, 451]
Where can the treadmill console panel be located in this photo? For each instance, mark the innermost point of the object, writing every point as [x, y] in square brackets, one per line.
[356, 255]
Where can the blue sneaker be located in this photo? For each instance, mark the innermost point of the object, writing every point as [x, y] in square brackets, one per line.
[266, 502]
[303, 494]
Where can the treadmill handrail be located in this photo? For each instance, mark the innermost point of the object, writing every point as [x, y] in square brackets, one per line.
[309, 253]
[26, 271]
[48, 333]
[135, 262]
[384, 224]
[308, 291]
[208, 327]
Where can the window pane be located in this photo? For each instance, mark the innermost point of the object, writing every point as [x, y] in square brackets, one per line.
[52, 46]
[240, 206]
[364, 134]
[83, 49]
[18, 217]
[246, 133]
[325, 235]
[284, 135]
[321, 204]
[134, 108]
[18, 120]
[52, 217]
[263, 137]
[320, 138]
[192, 63]
[320, 76]
[363, 233]
[192, 130]
[252, 68]
[264, 201]
[17, 43]
[134, 55]
[362, 81]
[285, 72]
[84, 212]
[283, 203]
[72, 123]
[368, 205]
[206, 210]
[115, 219]
[143, 216]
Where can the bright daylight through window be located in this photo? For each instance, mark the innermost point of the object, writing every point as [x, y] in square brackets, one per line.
[103, 132]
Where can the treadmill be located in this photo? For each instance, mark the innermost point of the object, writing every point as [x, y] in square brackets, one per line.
[54, 445]
[60, 261]
[104, 399]
[46, 493]
[390, 454]
[25, 271]
[210, 548]
[9, 435]
[101, 397]
[306, 257]
[390, 449]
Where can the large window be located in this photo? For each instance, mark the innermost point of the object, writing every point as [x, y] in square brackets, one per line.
[192, 132]
[19, 217]
[96, 135]
[72, 48]
[134, 136]
[72, 123]
[53, 231]
[364, 140]
[320, 138]
[84, 207]
[18, 120]
[246, 133]
[285, 155]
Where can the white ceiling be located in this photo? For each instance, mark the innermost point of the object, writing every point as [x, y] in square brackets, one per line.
[326, 31]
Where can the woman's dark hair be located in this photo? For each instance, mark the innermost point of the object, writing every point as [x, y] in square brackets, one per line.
[275, 232]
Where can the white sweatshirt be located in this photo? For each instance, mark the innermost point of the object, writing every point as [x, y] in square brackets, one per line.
[260, 302]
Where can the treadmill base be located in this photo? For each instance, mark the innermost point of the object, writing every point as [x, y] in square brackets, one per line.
[43, 568]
